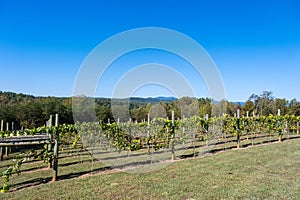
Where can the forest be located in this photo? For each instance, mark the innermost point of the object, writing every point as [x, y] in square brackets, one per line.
[27, 111]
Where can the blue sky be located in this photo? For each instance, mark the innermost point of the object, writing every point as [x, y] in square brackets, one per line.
[255, 44]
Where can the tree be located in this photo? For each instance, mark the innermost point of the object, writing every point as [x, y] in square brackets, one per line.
[248, 107]
[103, 113]
[218, 109]
[230, 108]
[205, 106]
[280, 104]
[189, 106]
[294, 107]
[139, 114]
[263, 103]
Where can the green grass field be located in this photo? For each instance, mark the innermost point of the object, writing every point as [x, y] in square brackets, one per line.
[270, 171]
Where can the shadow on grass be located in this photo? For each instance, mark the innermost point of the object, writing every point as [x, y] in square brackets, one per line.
[30, 183]
[40, 181]
[78, 174]
[61, 165]
[77, 162]
[70, 155]
[213, 151]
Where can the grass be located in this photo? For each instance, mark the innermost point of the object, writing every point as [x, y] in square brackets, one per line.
[269, 171]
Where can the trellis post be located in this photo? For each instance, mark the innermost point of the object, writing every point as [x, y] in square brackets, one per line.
[1, 148]
[173, 137]
[148, 132]
[55, 153]
[238, 129]
[49, 124]
[279, 125]
[2, 123]
[6, 148]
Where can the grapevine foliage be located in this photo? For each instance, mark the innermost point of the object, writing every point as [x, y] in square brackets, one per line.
[156, 134]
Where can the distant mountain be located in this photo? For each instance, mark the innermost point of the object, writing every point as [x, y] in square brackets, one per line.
[169, 99]
[238, 102]
[235, 102]
[152, 99]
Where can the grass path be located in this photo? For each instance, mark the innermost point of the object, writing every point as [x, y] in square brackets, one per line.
[262, 172]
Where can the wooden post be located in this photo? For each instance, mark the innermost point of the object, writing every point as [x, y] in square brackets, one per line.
[6, 148]
[206, 129]
[148, 133]
[56, 120]
[287, 130]
[55, 157]
[55, 153]
[6, 151]
[51, 139]
[297, 128]
[173, 117]
[238, 129]
[1, 148]
[206, 117]
[13, 129]
[2, 124]
[1, 153]
[278, 123]
[173, 137]
[50, 121]
[247, 115]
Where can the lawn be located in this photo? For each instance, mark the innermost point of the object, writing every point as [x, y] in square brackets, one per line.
[270, 171]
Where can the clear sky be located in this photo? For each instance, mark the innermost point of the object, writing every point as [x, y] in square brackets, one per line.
[255, 44]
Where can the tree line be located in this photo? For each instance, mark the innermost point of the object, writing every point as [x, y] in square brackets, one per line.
[29, 111]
